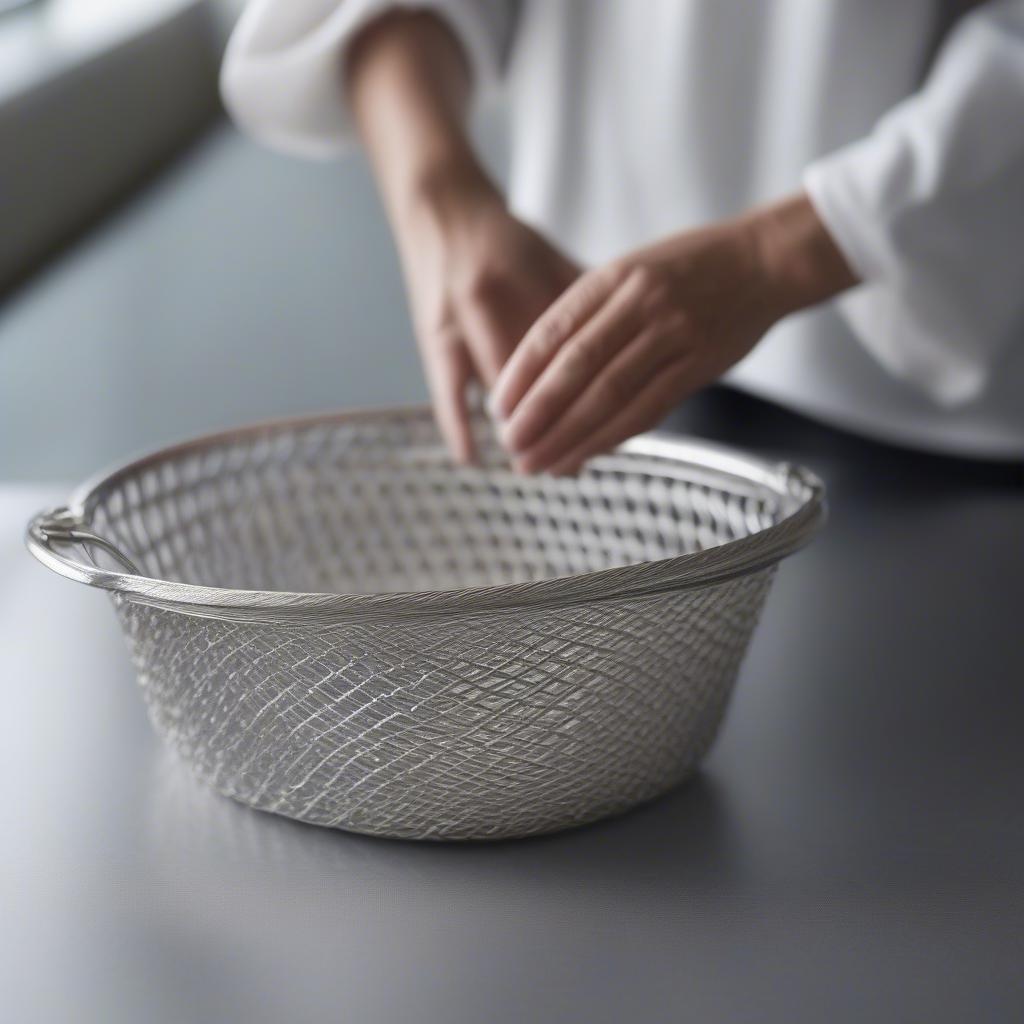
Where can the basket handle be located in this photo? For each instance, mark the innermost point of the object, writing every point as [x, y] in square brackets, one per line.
[51, 533]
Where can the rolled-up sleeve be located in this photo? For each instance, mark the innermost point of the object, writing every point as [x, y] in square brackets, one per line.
[929, 210]
[282, 79]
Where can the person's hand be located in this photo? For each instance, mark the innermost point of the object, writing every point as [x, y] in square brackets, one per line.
[477, 279]
[629, 340]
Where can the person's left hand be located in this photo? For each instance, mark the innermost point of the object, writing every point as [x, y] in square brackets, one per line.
[628, 341]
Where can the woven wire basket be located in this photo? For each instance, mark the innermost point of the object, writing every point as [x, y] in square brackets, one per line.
[332, 622]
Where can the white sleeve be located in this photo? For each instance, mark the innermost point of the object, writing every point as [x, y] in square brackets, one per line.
[282, 77]
[929, 211]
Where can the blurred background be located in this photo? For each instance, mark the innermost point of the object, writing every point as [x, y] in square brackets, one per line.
[161, 275]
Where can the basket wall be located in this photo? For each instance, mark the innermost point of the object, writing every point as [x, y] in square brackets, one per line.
[479, 727]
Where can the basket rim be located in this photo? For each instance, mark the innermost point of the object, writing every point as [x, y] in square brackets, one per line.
[695, 570]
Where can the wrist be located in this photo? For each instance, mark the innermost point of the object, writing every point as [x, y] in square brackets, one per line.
[798, 261]
[408, 86]
[444, 195]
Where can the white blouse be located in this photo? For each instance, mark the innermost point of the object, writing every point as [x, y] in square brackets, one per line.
[631, 119]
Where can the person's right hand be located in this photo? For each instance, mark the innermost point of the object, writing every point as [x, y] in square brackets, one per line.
[477, 279]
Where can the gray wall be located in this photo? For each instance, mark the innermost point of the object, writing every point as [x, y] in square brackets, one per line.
[85, 127]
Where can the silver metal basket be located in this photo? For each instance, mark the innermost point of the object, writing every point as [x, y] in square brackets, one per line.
[331, 621]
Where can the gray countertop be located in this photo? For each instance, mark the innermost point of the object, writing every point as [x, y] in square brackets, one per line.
[853, 849]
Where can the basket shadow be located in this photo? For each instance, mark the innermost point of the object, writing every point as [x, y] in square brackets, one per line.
[686, 834]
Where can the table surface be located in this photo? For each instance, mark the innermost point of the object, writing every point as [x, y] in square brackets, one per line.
[852, 850]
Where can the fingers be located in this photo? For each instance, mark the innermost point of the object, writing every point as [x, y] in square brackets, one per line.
[576, 366]
[552, 329]
[650, 355]
[645, 411]
[449, 372]
[494, 317]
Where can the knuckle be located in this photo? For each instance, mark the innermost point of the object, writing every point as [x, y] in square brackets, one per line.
[642, 278]
[655, 287]
[551, 331]
[612, 275]
[483, 287]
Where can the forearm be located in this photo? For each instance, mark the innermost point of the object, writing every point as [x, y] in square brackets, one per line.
[798, 259]
[409, 85]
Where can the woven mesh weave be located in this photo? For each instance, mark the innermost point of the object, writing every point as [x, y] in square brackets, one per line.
[478, 729]
[373, 505]
[480, 722]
